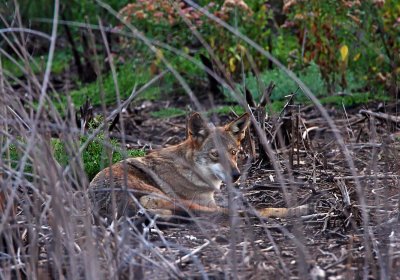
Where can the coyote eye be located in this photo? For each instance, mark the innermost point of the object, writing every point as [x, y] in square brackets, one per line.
[214, 154]
[234, 152]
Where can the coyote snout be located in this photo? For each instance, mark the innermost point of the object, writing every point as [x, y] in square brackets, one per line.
[232, 175]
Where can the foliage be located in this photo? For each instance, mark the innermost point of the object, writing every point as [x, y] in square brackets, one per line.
[37, 64]
[72, 10]
[168, 113]
[286, 49]
[128, 75]
[322, 28]
[284, 85]
[98, 154]
[126, 79]
[250, 18]
[156, 17]
[322, 32]
[385, 33]
[353, 99]
[13, 155]
[88, 10]
[95, 157]
[350, 46]
[172, 23]
[342, 36]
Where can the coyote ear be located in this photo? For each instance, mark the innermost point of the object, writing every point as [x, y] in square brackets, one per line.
[238, 126]
[197, 128]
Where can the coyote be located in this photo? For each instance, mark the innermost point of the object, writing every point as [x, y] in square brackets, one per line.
[181, 178]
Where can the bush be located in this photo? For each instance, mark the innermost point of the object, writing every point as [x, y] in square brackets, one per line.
[96, 156]
[361, 37]
[283, 84]
[165, 21]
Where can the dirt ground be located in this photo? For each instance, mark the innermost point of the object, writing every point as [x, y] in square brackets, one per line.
[327, 244]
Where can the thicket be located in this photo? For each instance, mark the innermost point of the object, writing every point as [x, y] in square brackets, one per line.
[333, 46]
[353, 44]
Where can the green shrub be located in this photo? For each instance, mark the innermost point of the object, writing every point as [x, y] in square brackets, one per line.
[96, 156]
[283, 84]
[161, 20]
[311, 76]
[361, 37]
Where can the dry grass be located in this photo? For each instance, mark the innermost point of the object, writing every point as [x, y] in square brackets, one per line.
[47, 229]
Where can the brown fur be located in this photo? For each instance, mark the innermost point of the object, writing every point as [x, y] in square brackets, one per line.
[178, 178]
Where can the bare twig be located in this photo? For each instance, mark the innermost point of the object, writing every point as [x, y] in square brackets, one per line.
[187, 257]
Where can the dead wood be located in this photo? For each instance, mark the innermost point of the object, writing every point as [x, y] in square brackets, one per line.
[382, 116]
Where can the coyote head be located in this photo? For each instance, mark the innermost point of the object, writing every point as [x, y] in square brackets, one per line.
[215, 149]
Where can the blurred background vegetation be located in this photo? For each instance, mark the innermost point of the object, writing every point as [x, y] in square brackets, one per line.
[346, 52]
[333, 46]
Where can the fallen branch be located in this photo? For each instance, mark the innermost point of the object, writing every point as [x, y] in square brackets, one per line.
[382, 116]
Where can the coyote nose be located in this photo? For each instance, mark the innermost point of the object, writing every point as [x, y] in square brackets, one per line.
[235, 175]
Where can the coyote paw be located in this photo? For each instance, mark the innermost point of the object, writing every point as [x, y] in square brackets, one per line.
[154, 206]
[151, 202]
